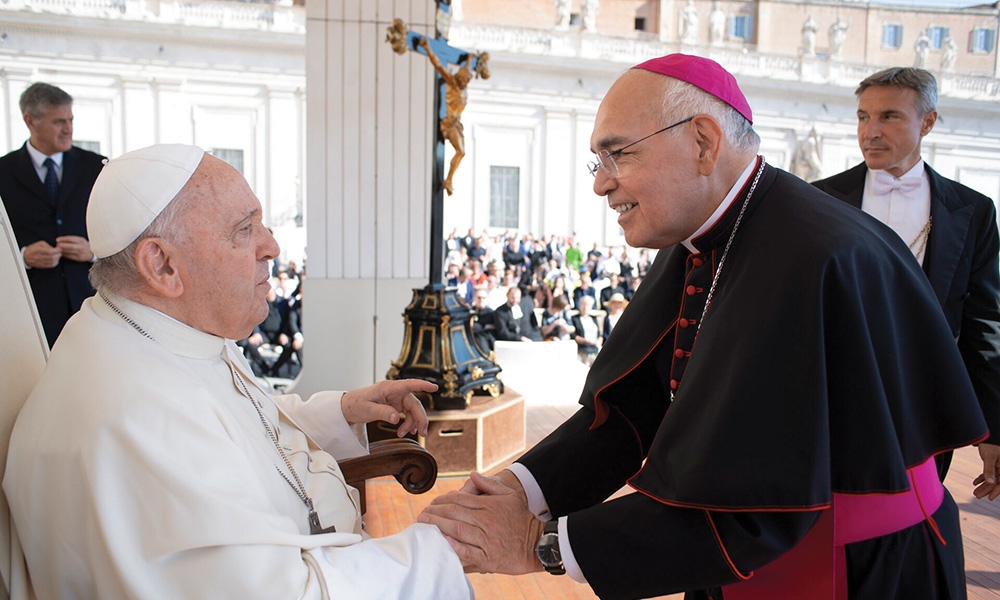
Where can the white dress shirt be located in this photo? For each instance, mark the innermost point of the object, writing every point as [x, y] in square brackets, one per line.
[905, 209]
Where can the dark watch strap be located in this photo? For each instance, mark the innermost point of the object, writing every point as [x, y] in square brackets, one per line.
[548, 548]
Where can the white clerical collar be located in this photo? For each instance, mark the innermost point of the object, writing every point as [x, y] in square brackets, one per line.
[38, 158]
[177, 337]
[723, 206]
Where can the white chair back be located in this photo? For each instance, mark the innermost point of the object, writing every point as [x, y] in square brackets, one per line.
[23, 352]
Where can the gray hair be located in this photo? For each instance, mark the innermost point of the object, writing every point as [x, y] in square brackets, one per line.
[918, 80]
[682, 98]
[119, 272]
[39, 97]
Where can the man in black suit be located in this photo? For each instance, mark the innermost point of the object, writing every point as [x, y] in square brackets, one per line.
[483, 328]
[515, 319]
[951, 229]
[45, 186]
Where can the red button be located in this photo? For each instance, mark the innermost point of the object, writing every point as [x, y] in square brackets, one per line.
[697, 262]
[674, 384]
[691, 290]
[683, 323]
[679, 353]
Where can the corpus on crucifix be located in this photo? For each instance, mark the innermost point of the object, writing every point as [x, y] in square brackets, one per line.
[455, 96]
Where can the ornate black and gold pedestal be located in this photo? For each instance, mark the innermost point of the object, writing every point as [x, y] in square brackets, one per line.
[438, 346]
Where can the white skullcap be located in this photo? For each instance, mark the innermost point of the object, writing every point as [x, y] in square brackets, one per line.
[133, 189]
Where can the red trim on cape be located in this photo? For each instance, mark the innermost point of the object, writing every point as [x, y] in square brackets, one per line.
[725, 553]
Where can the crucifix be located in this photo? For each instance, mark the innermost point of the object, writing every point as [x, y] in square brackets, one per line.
[449, 101]
[438, 344]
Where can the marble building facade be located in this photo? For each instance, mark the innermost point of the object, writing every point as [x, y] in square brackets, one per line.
[344, 161]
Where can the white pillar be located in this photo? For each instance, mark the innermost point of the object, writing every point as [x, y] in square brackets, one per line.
[369, 140]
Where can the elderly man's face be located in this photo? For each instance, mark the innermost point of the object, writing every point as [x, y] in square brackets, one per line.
[224, 262]
[656, 193]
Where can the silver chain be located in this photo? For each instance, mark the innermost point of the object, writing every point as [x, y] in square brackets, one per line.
[299, 488]
[725, 253]
[126, 318]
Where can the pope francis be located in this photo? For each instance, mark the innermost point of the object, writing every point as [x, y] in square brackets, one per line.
[147, 463]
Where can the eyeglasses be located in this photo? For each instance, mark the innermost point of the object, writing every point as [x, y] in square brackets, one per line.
[605, 159]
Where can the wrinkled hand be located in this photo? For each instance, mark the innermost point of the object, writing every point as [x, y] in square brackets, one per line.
[987, 480]
[389, 401]
[75, 248]
[490, 528]
[41, 255]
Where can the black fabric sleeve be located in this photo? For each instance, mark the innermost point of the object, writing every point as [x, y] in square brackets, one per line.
[979, 339]
[636, 547]
[577, 467]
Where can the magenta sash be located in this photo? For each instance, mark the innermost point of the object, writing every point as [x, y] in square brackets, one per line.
[815, 569]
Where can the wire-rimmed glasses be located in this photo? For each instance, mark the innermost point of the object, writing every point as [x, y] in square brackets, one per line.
[605, 159]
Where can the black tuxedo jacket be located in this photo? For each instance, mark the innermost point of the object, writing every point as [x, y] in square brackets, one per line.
[60, 291]
[961, 262]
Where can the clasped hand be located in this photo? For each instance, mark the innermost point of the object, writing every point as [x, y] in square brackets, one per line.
[42, 255]
[488, 524]
[389, 401]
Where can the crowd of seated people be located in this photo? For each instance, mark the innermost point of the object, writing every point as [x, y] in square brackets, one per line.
[274, 349]
[552, 275]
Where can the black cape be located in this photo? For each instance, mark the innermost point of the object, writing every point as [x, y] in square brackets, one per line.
[824, 365]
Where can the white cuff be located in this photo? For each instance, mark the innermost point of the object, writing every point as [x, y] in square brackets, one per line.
[566, 553]
[536, 500]
[540, 508]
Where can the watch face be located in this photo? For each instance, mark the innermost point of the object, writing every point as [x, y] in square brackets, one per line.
[548, 550]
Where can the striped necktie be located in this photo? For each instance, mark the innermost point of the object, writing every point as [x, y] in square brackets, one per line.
[51, 180]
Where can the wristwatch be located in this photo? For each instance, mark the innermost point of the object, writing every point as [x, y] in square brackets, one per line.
[548, 548]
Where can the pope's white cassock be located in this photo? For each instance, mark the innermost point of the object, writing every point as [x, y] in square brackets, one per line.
[138, 469]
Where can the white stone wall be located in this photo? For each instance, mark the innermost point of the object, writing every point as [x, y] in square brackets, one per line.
[219, 75]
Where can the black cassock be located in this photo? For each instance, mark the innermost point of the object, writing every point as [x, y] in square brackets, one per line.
[824, 366]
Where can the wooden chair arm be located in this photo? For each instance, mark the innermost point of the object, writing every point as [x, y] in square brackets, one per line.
[410, 463]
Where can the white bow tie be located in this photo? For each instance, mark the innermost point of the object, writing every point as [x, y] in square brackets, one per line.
[884, 183]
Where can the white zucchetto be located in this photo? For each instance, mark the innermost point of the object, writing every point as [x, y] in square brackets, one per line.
[133, 189]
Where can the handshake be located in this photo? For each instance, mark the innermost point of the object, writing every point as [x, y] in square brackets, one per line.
[489, 525]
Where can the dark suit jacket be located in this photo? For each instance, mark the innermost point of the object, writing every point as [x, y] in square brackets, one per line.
[961, 262]
[60, 291]
[511, 329]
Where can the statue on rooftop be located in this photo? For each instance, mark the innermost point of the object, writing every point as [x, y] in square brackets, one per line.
[689, 24]
[809, 29]
[838, 35]
[716, 26]
[949, 53]
[563, 9]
